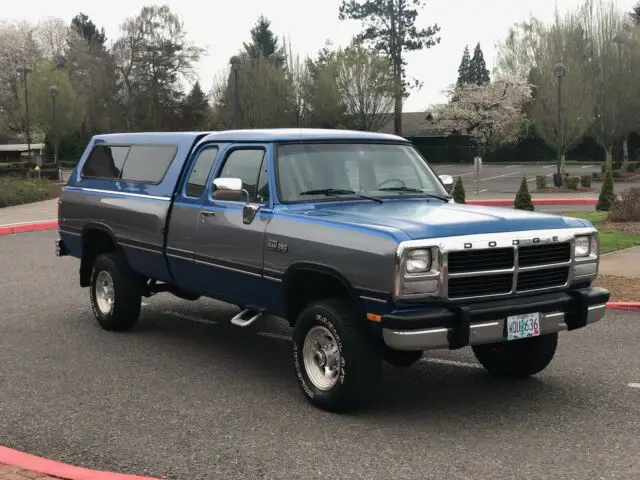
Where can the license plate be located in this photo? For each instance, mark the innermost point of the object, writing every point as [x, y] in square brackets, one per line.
[523, 326]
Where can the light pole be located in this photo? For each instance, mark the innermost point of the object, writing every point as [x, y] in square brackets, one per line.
[53, 90]
[559, 71]
[25, 72]
[235, 66]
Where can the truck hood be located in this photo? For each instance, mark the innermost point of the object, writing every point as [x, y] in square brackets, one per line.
[431, 219]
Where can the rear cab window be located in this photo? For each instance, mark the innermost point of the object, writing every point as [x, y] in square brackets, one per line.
[130, 163]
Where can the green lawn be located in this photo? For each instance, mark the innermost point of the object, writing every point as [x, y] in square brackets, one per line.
[610, 240]
[16, 191]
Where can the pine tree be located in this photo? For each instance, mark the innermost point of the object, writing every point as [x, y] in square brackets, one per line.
[264, 42]
[463, 69]
[605, 200]
[478, 72]
[195, 109]
[523, 198]
[458, 192]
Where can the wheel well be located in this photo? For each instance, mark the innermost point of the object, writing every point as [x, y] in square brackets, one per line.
[305, 285]
[94, 242]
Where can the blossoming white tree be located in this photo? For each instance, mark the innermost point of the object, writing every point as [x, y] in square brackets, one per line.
[491, 115]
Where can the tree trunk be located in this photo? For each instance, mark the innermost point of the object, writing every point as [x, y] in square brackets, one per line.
[563, 164]
[397, 111]
[609, 159]
[625, 153]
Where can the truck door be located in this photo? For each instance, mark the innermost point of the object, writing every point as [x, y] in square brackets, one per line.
[228, 252]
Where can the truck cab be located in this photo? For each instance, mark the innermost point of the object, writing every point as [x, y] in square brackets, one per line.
[350, 237]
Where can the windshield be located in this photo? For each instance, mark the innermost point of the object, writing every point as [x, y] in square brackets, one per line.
[375, 170]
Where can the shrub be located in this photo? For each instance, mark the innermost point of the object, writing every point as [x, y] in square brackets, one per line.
[16, 191]
[572, 183]
[632, 168]
[617, 174]
[458, 193]
[541, 181]
[606, 193]
[523, 198]
[585, 181]
[627, 207]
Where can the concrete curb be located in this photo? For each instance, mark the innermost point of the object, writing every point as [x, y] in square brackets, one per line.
[541, 201]
[44, 466]
[626, 306]
[28, 227]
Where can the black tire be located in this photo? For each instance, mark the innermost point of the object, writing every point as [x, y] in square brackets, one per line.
[518, 359]
[400, 359]
[127, 295]
[360, 358]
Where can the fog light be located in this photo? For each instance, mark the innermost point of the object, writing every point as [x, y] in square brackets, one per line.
[420, 287]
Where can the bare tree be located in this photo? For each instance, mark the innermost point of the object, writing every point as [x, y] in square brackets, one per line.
[366, 87]
[52, 34]
[614, 73]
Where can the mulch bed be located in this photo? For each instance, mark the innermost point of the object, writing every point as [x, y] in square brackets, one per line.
[623, 289]
[565, 190]
[627, 227]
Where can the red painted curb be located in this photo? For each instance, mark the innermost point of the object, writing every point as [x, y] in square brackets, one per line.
[28, 227]
[19, 459]
[541, 201]
[631, 306]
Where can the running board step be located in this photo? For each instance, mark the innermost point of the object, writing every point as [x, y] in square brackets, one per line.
[240, 321]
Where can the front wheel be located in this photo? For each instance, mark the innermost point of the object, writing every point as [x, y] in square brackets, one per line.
[336, 360]
[519, 358]
[115, 293]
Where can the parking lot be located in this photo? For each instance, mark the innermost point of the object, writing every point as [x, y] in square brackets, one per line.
[187, 396]
[507, 178]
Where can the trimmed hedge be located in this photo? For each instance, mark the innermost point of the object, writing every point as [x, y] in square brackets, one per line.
[17, 191]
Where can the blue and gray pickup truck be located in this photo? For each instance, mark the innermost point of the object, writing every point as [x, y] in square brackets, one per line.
[349, 236]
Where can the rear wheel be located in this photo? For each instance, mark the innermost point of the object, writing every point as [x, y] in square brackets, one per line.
[518, 359]
[336, 359]
[115, 293]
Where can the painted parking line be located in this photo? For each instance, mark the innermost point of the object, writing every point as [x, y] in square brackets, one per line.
[586, 166]
[453, 363]
[549, 166]
[634, 385]
[499, 176]
[513, 166]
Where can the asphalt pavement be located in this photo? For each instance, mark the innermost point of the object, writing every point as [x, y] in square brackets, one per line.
[187, 396]
[507, 178]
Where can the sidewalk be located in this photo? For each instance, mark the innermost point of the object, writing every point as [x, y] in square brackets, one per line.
[15, 473]
[31, 212]
[621, 263]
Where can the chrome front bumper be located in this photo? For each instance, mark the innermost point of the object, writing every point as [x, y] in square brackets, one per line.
[480, 333]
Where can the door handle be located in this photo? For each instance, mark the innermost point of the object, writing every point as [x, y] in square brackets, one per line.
[206, 213]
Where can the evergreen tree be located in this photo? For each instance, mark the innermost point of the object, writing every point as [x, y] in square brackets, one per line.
[478, 72]
[195, 109]
[523, 198]
[463, 69]
[88, 30]
[635, 14]
[264, 42]
[458, 193]
[605, 200]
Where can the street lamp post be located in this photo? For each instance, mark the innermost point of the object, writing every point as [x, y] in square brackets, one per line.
[559, 71]
[53, 90]
[25, 71]
[235, 66]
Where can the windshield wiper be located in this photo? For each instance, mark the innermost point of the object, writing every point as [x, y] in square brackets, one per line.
[414, 190]
[338, 191]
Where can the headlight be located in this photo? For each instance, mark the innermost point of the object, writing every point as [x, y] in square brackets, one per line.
[418, 261]
[586, 245]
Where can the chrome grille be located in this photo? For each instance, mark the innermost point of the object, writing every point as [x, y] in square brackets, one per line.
[502, 271]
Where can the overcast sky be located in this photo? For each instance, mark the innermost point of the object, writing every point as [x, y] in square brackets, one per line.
[221, 26]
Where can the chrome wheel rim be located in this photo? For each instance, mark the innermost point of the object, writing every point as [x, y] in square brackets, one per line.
[321, 356]
[104, 291]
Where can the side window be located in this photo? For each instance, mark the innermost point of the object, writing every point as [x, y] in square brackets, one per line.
[202, 167]
[148, 163]
[105, 162]
[247, 164]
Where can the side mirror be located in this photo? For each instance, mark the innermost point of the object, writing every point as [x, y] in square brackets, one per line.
[447, 180]
[227, 189]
